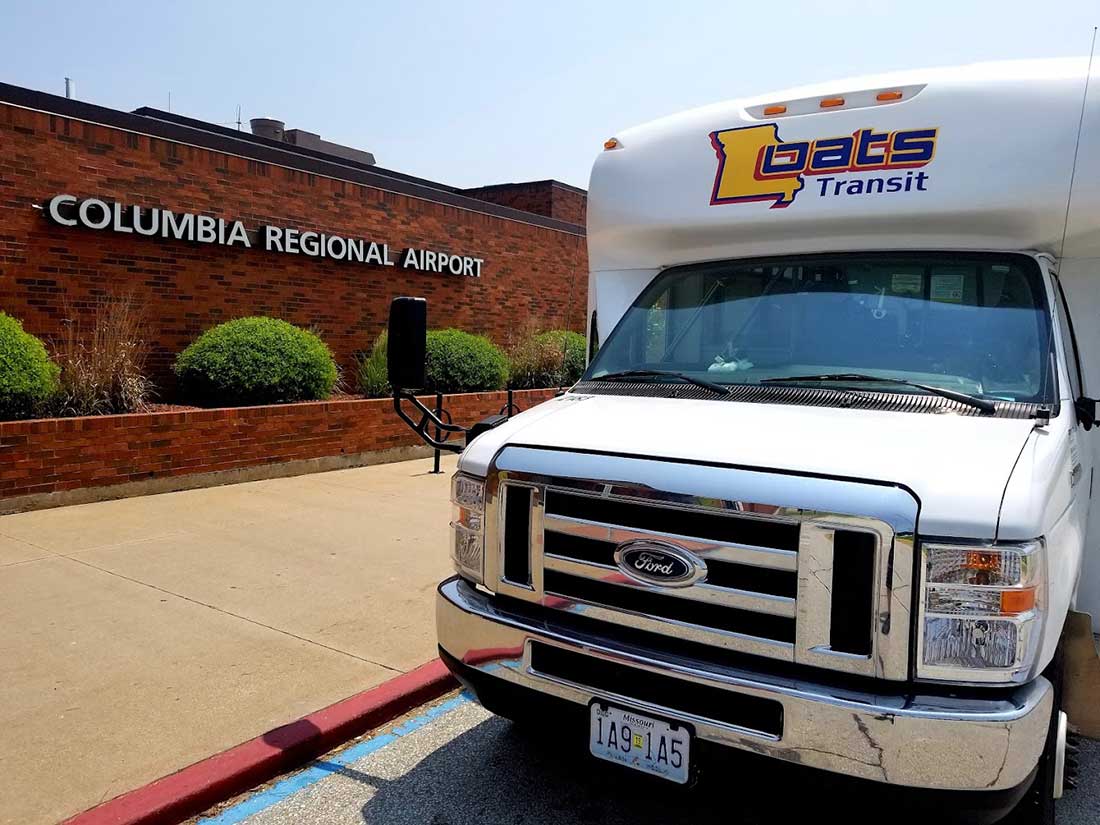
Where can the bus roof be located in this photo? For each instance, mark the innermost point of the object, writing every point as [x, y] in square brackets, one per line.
[970, 157]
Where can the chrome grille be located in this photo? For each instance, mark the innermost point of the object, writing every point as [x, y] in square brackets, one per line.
[578, 551]
[769, 558]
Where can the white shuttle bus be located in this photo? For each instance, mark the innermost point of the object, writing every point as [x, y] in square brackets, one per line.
[823, 493]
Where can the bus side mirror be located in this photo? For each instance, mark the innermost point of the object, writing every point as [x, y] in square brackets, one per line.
[1086, 411]
[405, 350]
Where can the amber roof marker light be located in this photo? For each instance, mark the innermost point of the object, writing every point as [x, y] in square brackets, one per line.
[612, 143]
[887, 97]
[774, 110]
[831, 102]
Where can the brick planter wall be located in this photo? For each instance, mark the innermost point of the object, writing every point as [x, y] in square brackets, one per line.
[51, 462]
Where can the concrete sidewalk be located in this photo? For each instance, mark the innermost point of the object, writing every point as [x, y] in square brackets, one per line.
[141, 635]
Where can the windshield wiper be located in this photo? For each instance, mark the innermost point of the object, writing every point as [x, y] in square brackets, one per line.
[623, 375]
[983, 404]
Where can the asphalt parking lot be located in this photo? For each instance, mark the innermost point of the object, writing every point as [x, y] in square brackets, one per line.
[454, 763]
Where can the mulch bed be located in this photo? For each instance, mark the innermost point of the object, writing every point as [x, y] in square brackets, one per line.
[159, 408]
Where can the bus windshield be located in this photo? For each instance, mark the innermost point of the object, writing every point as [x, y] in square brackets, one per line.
[976, 324]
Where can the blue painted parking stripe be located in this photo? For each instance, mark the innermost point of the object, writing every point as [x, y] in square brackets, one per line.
[322, 769]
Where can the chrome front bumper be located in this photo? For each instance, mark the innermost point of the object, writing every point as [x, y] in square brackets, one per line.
[918, 741]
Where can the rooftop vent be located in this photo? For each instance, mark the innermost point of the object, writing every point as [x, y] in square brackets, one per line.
[268, 127]
[272, 129]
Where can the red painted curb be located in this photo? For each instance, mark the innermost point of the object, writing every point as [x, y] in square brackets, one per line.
[176, 797]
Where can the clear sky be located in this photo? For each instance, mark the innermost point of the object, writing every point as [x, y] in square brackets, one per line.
[468, 92]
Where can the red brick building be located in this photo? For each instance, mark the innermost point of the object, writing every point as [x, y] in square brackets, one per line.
[121, 171]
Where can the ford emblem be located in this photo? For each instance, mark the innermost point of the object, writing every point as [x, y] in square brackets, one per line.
[660, 563]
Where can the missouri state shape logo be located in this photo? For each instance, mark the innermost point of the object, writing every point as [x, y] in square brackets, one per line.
[755, 164]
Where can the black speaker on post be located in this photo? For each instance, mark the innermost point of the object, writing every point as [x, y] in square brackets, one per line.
[408, 334]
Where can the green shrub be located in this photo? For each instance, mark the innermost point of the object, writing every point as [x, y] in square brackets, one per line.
[548, 359]
[27, 376]
[255, 361]
[457, 361]
[373, 373]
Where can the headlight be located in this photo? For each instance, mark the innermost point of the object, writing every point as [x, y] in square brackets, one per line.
[468, 526]
[981, 611]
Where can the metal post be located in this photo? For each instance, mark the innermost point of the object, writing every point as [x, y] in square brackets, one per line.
[438, 432]
[509, 402]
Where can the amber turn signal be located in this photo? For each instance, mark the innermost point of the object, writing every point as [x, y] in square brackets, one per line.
[982, 562]
[1017, 601]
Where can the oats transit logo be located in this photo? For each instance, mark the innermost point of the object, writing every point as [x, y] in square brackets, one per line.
[754, 164]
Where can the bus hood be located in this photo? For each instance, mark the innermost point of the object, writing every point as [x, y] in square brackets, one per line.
[956, 466]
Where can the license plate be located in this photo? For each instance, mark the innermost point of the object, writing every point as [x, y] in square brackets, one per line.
[639, 741]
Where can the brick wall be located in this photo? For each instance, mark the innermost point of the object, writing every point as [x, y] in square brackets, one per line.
[62, 454]
[570, 205]
[543, 197]
[47, 271]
